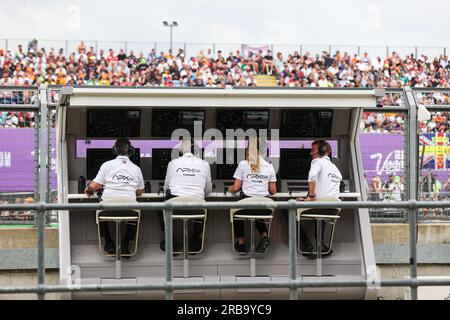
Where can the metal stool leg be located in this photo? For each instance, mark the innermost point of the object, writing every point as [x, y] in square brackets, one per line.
[118, 251]
[252, 249]
[185, 249]
[319, 247]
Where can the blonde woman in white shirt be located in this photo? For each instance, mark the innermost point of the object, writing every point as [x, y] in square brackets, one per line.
[256, 177]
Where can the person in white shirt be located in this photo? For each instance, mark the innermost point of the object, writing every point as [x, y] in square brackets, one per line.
[188, 176]
[120, 179]
[324, 180]
[256, 177]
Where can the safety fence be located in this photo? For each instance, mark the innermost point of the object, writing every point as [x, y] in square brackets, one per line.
[192, 49]
[293, 284]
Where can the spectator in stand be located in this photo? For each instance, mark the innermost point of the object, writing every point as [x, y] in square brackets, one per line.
[268, 64]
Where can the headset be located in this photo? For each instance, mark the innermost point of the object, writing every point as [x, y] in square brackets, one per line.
[322, 150]
[130, 149]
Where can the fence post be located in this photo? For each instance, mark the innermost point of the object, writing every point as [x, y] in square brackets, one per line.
[168, 228]
[412, 186]
[292, 248]
[43, 188]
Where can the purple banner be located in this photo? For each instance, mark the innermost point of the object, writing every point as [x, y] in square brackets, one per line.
[17, 160]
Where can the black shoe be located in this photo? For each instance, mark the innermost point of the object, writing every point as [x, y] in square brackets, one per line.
[124, 249]
[162, 246]
[263, 245]
[110, 248]
[325, 249]
[240, 248]
[306, 246]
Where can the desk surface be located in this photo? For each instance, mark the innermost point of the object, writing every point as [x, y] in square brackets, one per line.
[221, 195]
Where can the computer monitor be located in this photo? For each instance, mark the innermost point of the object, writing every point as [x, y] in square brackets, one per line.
[113, 123]
[242, 119]
[295, 163]
[226, 171]
[306, 123]
[96, 157]
[160, 161]
[164, 122]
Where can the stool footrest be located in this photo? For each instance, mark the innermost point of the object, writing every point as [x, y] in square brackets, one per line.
[118, 218]
[237, 216]
[199, 216]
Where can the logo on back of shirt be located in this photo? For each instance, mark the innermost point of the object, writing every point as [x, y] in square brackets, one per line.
[122, 178]
[257, 178]
[334, 177]
[188, 171]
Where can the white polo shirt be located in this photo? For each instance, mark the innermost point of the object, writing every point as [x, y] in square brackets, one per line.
[188, 176]
[120, 178]
[327, 176]
[255, 184]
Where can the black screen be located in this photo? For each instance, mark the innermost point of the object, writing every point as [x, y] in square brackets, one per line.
[160, 160]
[96, 157]
[306, 124]
[295, 163]
[164, 122]
[226, 171]
[113, 123]
[242, 119]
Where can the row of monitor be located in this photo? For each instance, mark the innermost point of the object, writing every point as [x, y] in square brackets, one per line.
[294, 163]
[127, 123]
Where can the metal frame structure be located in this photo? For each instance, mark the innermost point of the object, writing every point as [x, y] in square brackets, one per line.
[293, 284]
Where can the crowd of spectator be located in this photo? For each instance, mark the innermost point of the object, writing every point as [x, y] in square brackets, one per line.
[393, 189]
[85, 66]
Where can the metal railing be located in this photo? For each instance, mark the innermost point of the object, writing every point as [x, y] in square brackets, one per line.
[191, 48]
[169, 285]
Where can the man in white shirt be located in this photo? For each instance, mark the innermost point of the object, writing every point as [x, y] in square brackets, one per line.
[120, 179]
[324, 180]
[188, 176]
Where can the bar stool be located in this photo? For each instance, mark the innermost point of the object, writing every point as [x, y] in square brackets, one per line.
[320, 217]
[185, 215]
[119, 216]
[249, 215]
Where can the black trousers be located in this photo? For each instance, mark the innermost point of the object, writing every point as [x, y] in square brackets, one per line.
[259, 224]
[198, 225]
[130, 228]
[306, 228]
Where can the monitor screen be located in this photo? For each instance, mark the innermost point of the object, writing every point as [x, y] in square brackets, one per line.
[96, 157]
[226, 171]
[164, 122]
[113, 123]
[306, 124]
[242, 119]
[160, 160]
[295, 163]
